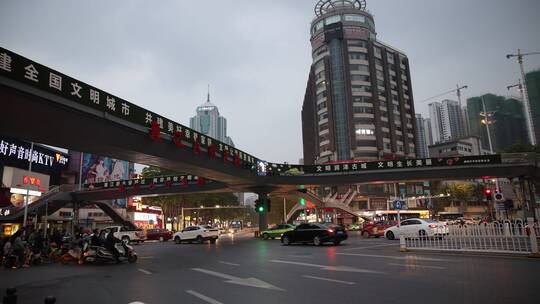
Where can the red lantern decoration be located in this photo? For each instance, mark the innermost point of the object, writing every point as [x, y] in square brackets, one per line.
[212, 151]
[121, 188]
[200, 181]
[237, 159]
[177, 139]
[152, 185]
[184, 182]
[168, 184]
[225, 155]
[155, 131]
[197, 146]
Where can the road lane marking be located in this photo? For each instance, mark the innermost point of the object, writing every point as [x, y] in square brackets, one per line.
[251, 282]
[374, 246]
[228, 263]
[146, 257]
[417, 266]
[203, 297]
[330, 268]
[301, 256]
[144, 271]
[329, 280]
[419, 258]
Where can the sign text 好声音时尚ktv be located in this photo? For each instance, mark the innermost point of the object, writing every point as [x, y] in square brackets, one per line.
[18, 154]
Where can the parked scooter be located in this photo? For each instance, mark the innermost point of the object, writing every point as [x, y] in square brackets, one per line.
[99, 254]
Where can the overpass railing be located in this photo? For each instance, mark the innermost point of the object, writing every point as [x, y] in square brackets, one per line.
[167, 181]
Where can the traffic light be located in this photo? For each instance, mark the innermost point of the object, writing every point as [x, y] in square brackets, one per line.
[259, 206]
[302, 202]
[489, 194]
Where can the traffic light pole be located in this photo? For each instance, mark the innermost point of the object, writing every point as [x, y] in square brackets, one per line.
[263, 216]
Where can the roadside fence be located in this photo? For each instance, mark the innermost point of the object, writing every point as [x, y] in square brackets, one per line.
[508, 237]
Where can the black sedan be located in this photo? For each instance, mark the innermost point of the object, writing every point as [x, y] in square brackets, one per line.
[315, 233]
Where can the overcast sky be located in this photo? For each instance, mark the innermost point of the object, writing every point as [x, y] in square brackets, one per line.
[256, 55]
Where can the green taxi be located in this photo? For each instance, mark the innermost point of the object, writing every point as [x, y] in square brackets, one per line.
[276, 231]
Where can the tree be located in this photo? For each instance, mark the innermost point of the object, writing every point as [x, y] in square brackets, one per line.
[460, 193]
[521, 147]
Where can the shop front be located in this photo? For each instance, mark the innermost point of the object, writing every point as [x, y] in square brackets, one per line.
[22, 183]
[144, 216]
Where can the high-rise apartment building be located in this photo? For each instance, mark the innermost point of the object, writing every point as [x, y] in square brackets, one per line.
[209, 122]
[506, 121]
[435, 117]
[447, 121]
[358, 102]
[424, 136]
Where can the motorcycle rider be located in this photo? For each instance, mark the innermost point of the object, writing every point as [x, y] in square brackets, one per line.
[94, 239]
[110, 241]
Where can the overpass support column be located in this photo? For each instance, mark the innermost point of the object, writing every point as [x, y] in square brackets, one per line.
[530, 198]
[263, 216]
[75, 220]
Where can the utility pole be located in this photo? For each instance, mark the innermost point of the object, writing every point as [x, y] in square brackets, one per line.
[27, 198]
[526, 103]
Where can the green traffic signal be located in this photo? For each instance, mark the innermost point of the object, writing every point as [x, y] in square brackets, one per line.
[260, 209]
[302, 202]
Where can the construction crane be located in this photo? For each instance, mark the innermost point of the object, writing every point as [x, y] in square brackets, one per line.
[457, 90]
[525, 94]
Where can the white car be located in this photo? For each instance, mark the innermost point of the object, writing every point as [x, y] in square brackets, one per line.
[197, 234]
[416, 227]
[127, 235]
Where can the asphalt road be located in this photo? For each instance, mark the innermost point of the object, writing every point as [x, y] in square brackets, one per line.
[247, 270]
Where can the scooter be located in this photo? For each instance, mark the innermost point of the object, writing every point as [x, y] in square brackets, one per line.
[99, 254]
[11, 260]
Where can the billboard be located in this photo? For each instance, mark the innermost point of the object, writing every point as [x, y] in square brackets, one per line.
[99, 169]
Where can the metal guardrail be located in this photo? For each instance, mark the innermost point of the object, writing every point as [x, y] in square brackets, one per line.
[507, 238]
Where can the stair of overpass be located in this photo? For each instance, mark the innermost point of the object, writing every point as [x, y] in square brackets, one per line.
[115, 215]
[330, 201]
[50, 202]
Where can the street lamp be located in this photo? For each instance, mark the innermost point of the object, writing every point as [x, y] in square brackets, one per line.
[528, 113]
[486, 121]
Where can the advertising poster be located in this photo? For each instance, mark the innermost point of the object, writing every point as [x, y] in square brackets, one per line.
[99, 169]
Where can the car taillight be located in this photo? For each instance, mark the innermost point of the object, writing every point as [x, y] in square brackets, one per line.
[432, 226]
[330, 230]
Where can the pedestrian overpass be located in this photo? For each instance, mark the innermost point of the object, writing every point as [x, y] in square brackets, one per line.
[43, 105]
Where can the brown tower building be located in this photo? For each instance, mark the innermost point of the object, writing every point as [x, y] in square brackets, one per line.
[358, 102]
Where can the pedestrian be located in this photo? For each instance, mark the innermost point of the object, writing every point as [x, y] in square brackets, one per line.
[56, 237]
[39, 242]
[6, 248]
[17, 246]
